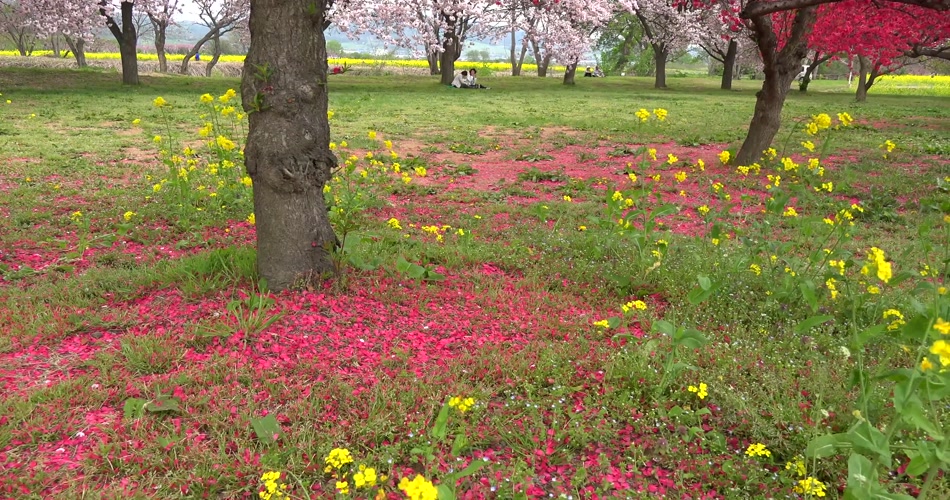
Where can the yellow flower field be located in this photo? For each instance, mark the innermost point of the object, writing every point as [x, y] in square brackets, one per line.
[399, 63]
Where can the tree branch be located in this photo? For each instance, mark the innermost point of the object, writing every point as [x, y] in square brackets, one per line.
[756, 8]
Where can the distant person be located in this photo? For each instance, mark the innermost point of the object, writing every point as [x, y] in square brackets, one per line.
[461, 81]
[599, 73]
[473, 80]
[588, 73]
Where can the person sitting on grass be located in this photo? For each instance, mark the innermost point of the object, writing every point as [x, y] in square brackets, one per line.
[472, 79]
[461, 81]
[588, 72]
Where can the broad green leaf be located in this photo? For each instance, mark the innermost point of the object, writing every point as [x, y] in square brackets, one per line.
[869, 439]
[459, 445]
[445, 492]
[472, 468]
[134, 408]
[439, 429]
[808, 293]
[664, 326]
[266, 428]
[674, 412]
[613, 322]
[162, 404]
[704, 282]
[697, 296]
[860, 472]
[808, 323]
[402, 265]
[824, 446]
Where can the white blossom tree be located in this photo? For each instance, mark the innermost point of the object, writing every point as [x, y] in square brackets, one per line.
[15, 24]
[161, 14]
[77, 25]
[220, 17]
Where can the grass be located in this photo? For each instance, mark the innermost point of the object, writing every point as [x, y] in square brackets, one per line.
[143, 358]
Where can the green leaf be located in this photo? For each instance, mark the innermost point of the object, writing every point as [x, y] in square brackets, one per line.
[808, 293]
[434, 276]
[134, 408]
[472, 468]
[808, 323]
[613, 322]
[267, 429]
[402, 265]
[860, 472]
[674, 412]
[664, 326]
[459, 445]
[440, 428]
[869, 439]
[697, 296]
[162, 404]
[445, 492]
[824, 446]
[416, 271]
[692, 339]
[704, 282]
[703, 411]
[913, 414]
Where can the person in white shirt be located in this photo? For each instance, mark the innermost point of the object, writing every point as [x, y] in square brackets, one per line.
[472, 79]
[461, 81]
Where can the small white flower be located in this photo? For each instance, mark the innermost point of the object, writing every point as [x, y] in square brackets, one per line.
[845, 352]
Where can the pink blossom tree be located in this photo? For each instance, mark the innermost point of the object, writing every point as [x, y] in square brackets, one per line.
[440, 26]
[161, 14]
[670, 26]
[721, 39]
[16, 25]
[77, 25]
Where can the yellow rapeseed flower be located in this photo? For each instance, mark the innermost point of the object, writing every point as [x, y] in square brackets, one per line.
[602, 323]
[128, 215]
[758, 450]
[251, 219]
[724, 157]
[418, 488]
[810, 486]
[206, 98]
[700, 391]
[159, 102]
[461, 404]
[942, 326]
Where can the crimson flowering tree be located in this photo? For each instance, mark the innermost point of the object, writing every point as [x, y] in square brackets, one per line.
[878, 36]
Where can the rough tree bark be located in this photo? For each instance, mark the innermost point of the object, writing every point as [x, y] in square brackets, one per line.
[868, 74]
[197, 47]
[78, 49]
[450, 51]
[810, 70]
[433, 58]
[159, 28]
[780, 67]
[729, 65]
[569, 71]
[216, 43]
[284, 92]
[126, 37]
[660, 55]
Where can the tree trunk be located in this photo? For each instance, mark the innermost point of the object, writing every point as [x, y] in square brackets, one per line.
[216, 43]
[54, 45]
[447, 58]
[811, 69]
[197, 47]
[780, 69]
[729, 65]
[569, 72]
[861, 94]
[78, 49]
[284, 92]
[660, 55]
[515, 68]
[433, 58]
[543, 64]
[159, 29]
[126, 37]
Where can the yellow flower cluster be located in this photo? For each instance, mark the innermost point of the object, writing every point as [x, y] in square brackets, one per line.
[878, 262]
[337, 458]
[701, 391]
[896, 318]
[365, 477]
[128, 215]
[461, 404]
[810, 486]
[758, 450]
[418, 488]
[642, 114]
[394, 223]
[636, 304]
[724, 157]
[272, 489]
[755, 268]
[76, 216]
[798, 465]
[602, 323]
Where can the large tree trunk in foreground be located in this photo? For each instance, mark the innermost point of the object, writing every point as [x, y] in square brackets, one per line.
[284, 92]
[127, 38]
[729, 65]
[660, 55]
[781, 68]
